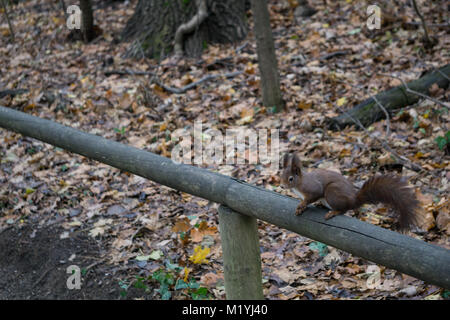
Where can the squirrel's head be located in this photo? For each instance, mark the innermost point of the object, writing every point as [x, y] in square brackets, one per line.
[292, 171]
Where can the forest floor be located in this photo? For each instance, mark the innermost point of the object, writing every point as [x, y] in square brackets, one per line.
[133, 238]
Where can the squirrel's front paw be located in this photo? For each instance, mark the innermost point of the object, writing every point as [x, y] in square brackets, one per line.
[301, 207]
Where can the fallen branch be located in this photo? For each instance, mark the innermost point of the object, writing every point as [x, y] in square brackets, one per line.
[41, 277]
[334, 54]
[431, 25]
[15, 92]
[129, 72]
[196, 83]
[368, 112]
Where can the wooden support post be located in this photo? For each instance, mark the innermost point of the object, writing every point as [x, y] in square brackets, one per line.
[241, 256]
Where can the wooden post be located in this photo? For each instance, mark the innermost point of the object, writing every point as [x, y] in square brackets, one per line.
[241, 256]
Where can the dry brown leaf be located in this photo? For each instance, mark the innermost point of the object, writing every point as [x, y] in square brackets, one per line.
[181, 225]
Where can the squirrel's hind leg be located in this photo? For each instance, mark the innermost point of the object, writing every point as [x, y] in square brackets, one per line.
[332, 213]
[339, 199]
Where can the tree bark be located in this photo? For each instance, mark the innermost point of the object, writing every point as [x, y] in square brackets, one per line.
[368, 111]
[154, 24]
[267, 60]
[87, 21]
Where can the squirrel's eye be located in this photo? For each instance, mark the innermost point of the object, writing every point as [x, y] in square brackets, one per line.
[291, 178]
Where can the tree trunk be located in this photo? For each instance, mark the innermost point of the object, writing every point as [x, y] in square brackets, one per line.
[155, 22]
[87, 21]
[267, 60]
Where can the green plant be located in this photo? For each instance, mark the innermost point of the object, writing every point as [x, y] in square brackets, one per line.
[120, 131]
[165, 280]
[446, 294]
[443, 141]
[168, 281]
[123, 288]
[139, 284]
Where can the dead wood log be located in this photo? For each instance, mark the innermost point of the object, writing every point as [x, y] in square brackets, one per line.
[368, 111]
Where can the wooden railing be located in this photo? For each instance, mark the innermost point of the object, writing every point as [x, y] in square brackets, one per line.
[241, 205]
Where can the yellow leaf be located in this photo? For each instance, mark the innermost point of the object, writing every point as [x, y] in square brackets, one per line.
[419, 155]
[345, 153]
[186, 274]
[341, 101]
[250, 68]
[304, 105]
[56, 20]
[199, 255]
[247, 112]
[30, 107]
[163, 127]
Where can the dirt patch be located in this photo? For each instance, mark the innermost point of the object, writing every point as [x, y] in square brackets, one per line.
[34, 261]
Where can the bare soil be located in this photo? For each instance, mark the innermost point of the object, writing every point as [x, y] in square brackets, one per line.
[34, 261]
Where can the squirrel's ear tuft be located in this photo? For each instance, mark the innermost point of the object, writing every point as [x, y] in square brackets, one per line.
[286, 160]
[296, 165]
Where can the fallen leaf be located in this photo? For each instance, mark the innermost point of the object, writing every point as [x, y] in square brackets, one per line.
[199, 255]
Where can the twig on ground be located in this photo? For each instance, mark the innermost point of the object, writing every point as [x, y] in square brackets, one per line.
[406, 162]
[441, 73]
[196, 83]
[388, 125]
[129, 72]
[94, 264]
[241, 47]
[42, 277]
[334, 54]
[427, 37]
[12, 92]
[386, 113]
[416, 92]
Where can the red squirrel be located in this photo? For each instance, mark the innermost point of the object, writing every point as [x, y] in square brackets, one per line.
[339, 195]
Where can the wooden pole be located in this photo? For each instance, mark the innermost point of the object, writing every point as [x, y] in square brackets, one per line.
[241, 255]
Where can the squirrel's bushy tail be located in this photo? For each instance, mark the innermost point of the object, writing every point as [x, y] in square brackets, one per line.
[392, 190]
